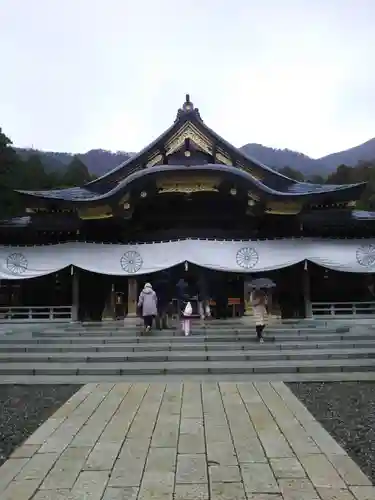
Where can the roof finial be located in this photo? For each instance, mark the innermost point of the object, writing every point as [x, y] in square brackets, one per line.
[188, 108]
[188, 105]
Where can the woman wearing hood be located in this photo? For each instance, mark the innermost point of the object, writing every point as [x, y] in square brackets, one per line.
[148, 302]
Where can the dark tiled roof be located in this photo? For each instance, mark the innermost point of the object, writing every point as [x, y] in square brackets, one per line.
[71, 194]
[363, 215]
[292, 189]
[307, 188]
[16, 222]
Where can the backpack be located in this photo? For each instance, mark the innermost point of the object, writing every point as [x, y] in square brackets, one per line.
[188, 311]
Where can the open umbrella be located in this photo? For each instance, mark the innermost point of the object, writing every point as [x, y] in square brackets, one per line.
[262, 283]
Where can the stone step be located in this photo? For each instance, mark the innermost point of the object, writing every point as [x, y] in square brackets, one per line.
[195, 321]
[230, 337]
[299, 350]
[188, 368]
[280, 337]
[177, 331]
[206, 377]
[201, 324]
[20, 346]
[314, 323]
[238, 356]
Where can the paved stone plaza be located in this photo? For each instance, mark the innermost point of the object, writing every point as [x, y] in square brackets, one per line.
[182, 441]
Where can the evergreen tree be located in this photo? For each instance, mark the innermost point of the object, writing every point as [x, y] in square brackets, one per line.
[76, 174]
[292, 174]
[342, 175]
[316, 179]
[10, 171]
[34, 175]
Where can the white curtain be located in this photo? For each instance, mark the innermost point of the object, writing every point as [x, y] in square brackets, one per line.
[356, 256]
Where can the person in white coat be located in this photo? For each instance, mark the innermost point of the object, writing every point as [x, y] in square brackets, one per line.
[259, 301]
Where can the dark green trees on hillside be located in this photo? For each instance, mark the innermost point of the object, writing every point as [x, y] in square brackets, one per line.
[291, 173]
[10, 169]
[29, 173]
[76, 174]
[363, 172]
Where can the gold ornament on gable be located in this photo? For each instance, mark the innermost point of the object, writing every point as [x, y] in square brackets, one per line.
[155, 160]
[283, 208]
[221, 158]
[188, 132]
[187, 186]
[100, 212]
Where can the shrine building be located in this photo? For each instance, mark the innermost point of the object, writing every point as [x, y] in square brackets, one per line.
[188, 203]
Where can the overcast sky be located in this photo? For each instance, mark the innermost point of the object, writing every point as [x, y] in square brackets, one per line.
[111, 74]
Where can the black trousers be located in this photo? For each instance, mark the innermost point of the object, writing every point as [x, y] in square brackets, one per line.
[147, 320]
[161, 320]
[221, 307]
[259, 329]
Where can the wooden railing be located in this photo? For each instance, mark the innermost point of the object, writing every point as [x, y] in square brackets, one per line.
[36, 313]
[343, 309]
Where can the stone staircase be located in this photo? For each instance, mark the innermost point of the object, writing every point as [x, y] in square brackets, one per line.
[312, 350]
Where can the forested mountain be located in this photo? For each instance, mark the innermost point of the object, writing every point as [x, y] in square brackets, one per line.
[350, 157]
[324, 166]
[279, 158]
[100, 161]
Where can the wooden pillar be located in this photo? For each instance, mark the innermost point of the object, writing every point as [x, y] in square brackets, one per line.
[270, 303]
[248, 310]
[132, 298]
[306, 291]
[110, 305]
[75, 293]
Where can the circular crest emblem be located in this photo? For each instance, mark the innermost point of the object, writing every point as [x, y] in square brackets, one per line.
[365, 255]
[247, 257]
[131, 261]
[16, 263]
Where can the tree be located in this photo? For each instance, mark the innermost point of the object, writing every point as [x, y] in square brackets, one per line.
[10, 170]
[343, 175]
[362, 172]
[76, 174]
[34, 175]
[316, 179]
[292, 174]
[8, 157]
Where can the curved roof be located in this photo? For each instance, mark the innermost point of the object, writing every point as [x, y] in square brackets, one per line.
[293, 190]
[272, 183]
[184, 116]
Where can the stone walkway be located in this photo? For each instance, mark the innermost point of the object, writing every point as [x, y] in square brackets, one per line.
[188, 441]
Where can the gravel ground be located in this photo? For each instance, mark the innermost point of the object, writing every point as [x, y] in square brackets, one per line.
[24, 408]
[347, 411]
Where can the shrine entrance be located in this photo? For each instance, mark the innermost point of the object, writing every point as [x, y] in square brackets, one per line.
[225, 290]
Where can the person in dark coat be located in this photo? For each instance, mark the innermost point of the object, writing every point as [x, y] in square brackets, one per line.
[163, 291]
[221, 298]
[182, 291]
[203, 297]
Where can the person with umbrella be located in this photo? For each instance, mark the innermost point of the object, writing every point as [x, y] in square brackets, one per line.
[258, 300]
